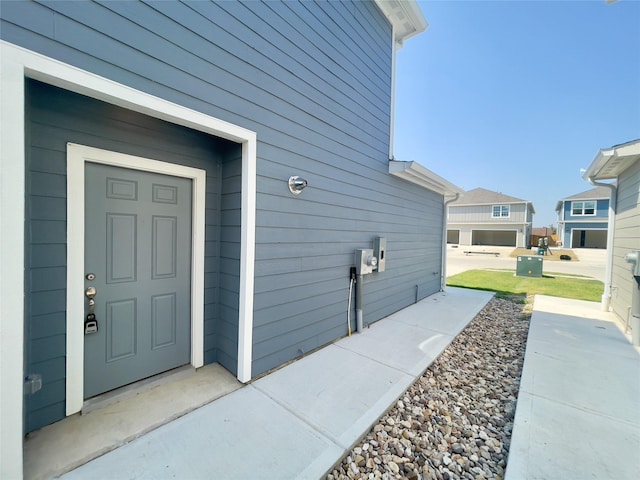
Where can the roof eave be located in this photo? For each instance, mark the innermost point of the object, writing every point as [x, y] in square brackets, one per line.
[405, 16]
[415, 173]
[609, 163]
[456, 204]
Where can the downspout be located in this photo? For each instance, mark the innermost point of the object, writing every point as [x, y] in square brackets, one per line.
[443, 268]
[613, 198]
[393, 92]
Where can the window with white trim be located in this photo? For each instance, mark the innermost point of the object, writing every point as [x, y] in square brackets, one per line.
[500, 211]
[583, 208]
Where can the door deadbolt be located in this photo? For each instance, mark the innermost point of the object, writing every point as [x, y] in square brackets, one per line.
[90, 276]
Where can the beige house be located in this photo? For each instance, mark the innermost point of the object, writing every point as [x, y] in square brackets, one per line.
[620, 164]
[483, 217]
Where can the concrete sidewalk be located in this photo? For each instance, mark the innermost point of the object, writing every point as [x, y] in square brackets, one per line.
[578, 411]
[302, 419]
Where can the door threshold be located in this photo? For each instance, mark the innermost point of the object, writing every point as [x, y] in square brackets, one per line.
[116, 418]
[136, 388]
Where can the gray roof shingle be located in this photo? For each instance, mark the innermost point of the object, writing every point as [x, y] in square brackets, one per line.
[592, 194]
[482, 196]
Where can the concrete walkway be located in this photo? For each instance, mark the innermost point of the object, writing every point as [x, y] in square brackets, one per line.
[578, 412]
[302, 419]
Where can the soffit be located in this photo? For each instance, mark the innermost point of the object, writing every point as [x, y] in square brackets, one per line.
[610, 163]
[405, 16]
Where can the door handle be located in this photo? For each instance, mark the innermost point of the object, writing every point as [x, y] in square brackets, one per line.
[90, 323]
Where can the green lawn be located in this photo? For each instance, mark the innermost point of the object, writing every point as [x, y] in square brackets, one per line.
[508, 283]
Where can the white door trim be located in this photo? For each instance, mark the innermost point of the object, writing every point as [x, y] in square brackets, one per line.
[16, 64]
[77, 156]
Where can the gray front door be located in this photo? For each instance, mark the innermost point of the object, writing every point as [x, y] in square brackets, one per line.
[138, 246]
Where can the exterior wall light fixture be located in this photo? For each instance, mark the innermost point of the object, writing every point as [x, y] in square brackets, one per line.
[297, 184]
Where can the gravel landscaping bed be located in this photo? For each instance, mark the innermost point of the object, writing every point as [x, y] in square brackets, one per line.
[455, 421]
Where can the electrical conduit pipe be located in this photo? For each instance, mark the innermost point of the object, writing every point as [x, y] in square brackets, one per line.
[359, 314]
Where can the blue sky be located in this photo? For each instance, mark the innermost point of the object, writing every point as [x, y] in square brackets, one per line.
[517, 96]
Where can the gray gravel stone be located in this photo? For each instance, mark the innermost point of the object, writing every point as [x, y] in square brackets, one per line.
[455, 421]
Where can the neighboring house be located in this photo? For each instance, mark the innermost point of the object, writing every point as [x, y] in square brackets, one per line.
[583, 219]
[619, 166]
[146, 150]
[483, 217]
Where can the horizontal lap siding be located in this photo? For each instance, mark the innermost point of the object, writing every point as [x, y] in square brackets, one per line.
[483, 213]
[313, 80]
[227, 329]
[626, 239]
[601, 213]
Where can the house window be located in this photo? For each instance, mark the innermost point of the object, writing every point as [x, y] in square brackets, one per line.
[500, 211]
[583, 208]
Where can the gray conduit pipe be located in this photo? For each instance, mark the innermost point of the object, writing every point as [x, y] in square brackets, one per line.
[359, 317]
[351, 281]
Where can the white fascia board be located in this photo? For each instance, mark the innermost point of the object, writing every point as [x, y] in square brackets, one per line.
[405, 16]
[415, 173]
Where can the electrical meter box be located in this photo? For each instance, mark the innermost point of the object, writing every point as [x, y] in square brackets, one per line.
[529, 266]
[365, 261]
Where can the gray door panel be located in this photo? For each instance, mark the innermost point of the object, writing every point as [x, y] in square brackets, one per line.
[138, 245]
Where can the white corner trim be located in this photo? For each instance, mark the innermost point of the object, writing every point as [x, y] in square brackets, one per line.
[247, 261]
[77, 157]
[12, 162]
[16, 64]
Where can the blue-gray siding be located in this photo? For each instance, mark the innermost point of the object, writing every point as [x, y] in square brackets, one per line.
[55, 117]
[602, 211]
[313, 80]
